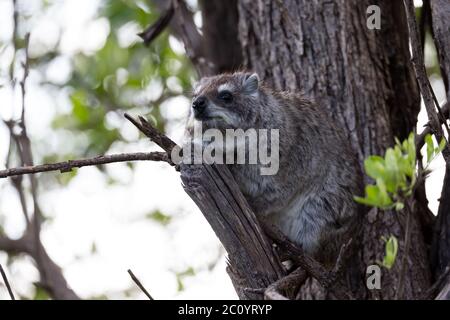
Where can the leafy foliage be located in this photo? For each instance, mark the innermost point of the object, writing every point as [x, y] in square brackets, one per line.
[40, 293]
[391, 249]
[181, 275]
[394, 175]
[159, 217]
[121, 76]
[432, 150]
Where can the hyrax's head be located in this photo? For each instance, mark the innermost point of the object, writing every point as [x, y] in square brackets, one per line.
[226, 101]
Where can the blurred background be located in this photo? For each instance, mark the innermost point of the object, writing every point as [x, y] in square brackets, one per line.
[87, 66]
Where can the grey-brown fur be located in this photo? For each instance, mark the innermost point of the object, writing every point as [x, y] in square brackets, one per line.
[310, 199]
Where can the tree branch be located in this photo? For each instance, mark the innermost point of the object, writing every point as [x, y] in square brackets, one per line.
[440, 250]
[139, 284]
[51, 275]
[407, 243]
[195, 52]
[5, 280]
[152, 133]
[252, 262]
[154, 30]
[420, 138]
[52, 278]
[184, 28]
[291, 283]
[433, 291]
[328, 279]
[67, 166]
[422, 79]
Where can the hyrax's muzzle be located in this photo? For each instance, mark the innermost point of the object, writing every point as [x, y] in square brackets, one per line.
[200, 108]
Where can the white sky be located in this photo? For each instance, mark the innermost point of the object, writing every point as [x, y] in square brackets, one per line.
[89, 210]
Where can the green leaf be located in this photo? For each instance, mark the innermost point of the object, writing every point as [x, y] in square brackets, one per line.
[395, 175]
[391, 249]
[376, 196]
[93, 247]
[441, 146]
[411, 149]
[181, 275]
[374, 166]
[79, 108]
[430, 147]
[159, 217]
[40, 293]
[399, 206]
[383, 196]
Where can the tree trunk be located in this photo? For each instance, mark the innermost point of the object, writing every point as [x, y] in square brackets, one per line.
[362, 77]
[221, 43]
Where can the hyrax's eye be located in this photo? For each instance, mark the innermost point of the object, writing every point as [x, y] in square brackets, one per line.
[225, 96]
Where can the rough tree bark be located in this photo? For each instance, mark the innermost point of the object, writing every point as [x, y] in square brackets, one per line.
[221, 20]
[252, 262]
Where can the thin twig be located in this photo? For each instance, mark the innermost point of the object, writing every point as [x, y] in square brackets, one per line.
[26, 71]
[154, 30]
[5, 280]
[16, 181]
[311, 266]
[421, 76]
[431, 293]
[292, 281]
[420, 139]
[139, 284]
[424, 23]
[196, 55]
[67, 166]
[407, 243]
[441, 115]
[151, 132]
[328, 279]
[14, 42]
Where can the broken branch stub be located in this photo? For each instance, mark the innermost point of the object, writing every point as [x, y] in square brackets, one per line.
[252, 261]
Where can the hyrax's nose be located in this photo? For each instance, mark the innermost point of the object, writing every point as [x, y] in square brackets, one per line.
[199, 104]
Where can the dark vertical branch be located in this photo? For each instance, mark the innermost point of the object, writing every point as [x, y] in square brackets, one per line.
[184, 28]
[424, 23]
[422, 79]
[440, 13]
[8, 286]
[220, 21]
[407, 243]
[440, 251]
[52, 278]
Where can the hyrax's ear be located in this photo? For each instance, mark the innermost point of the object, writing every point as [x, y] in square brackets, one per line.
[251, 83]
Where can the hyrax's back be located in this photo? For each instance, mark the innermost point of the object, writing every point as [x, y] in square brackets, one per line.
[310, 198]
[321, 213]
